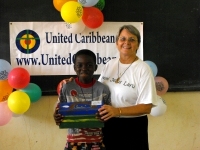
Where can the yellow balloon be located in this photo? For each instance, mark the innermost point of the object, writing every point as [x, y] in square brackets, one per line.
[59, 3]
[71, 12]
[19, 102]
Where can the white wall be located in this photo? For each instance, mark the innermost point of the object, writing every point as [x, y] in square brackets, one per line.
[177, 129]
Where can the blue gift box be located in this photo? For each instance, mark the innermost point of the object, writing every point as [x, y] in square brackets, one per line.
[79, 108]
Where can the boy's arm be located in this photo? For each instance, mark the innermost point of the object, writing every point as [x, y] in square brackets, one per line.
[57, 117]
[61, 97]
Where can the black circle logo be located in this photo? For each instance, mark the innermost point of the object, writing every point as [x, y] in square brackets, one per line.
[27, 41]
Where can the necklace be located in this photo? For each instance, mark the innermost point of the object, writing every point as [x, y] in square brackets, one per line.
[117, 80]
[84, 94]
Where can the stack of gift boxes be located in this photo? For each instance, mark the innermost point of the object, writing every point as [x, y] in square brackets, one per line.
[80, 115]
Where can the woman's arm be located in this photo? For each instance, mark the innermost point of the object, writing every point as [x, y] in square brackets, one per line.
[106, 111]
[64, 81]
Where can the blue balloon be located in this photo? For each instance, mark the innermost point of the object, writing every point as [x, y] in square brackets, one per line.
[5, 68]
[153, 67]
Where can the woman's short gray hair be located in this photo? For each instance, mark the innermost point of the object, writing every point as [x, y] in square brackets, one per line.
[133, 30]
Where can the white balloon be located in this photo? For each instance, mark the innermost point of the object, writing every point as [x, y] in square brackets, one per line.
[5, 69]
[88, 3]
[160, 108]
[75, 28]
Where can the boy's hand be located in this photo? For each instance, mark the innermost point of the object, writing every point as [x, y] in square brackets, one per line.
[57, 117]
[67, 80]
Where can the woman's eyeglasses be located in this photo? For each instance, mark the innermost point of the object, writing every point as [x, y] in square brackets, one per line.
[123, 39]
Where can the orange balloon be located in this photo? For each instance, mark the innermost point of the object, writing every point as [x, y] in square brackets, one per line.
[5, 90]
[59, 3]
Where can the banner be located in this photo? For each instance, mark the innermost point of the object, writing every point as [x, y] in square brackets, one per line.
[47, 48]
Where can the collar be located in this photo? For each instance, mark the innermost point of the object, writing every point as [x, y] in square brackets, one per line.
[85, 85]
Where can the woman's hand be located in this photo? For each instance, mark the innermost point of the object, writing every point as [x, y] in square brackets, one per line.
[57, 117]
[64, 81]
[68, 80]
[106, 112]
[98, 116]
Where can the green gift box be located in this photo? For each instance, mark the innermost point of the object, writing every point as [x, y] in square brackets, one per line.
[81, 121]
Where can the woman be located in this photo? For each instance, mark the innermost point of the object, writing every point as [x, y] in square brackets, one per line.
[133, 94]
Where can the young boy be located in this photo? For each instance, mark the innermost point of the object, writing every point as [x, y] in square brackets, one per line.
[83, 88]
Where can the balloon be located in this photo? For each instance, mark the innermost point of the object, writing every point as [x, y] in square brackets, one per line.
[5, 68]
[160, 108]
[59, 3]
[88, 3]
[5, 113]
[161, 85]
[75, 28]
[153, 67]
[34, 92]
[18, 102]
[5, 90]
[71, 12]
[18, 78]
[100, 5]
[92, 17]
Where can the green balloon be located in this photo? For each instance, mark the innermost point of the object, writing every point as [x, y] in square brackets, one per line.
[33, 91]
[100, 5]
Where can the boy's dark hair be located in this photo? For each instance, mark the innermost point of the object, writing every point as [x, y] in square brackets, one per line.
[85, 52]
